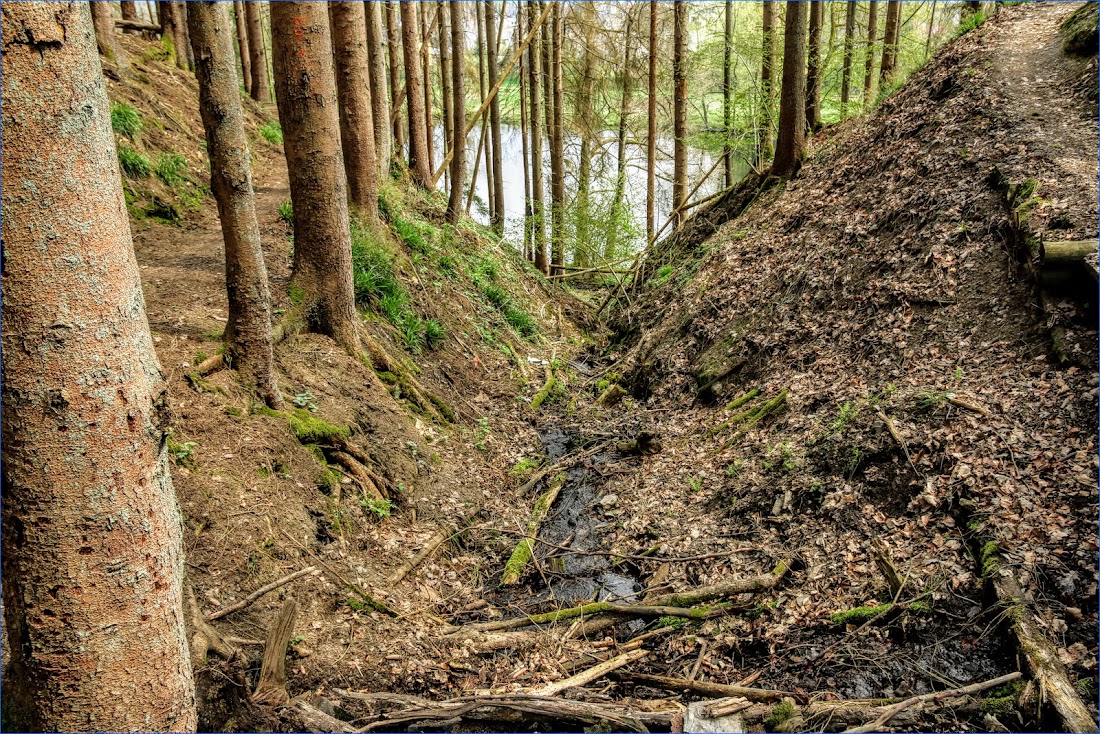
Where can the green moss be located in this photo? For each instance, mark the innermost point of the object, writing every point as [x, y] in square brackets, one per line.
[1080, 31]
[389, 378]
[296, 294]
[306, 427]
[987, 559]
[444, 409]
[783, 711]
[859, 615]
[673, 622]
[524, 466]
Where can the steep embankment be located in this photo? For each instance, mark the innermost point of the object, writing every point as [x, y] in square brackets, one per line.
[883, 302]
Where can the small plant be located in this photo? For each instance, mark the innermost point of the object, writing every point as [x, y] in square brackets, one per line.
[435, 333]
[929, 400]
[271, 132]
[482, 434]
[286, 212]
[171, 168]
[969, 23]
[521, 321]
[380, 508]
[133, 163]
[166, 51]
[846, 415]
[306, 400]
[695, 484]
[663, 273]
[522, 467]
[411, 328]
[733, 468]
[125, 120]
[182, 453]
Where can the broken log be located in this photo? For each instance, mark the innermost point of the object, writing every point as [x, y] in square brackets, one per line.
[596, 671]
[592, 609]
[544, 393]
[716, 690]
[889, 712]
[271, 685]
[610, 396]
[312, 719]
[525, 549]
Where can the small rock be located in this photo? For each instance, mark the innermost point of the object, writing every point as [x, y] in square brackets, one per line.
[609, 501]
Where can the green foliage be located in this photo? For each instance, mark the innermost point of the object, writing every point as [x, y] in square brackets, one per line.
[171, 168]
[663, 274]
[485, 275]
[1080, 31]
[182, 453]
[969, 23]
[306, 427]
[271, 132]
[380, 508]
[410, 234]
[125, 120]
[859, 615]
[524, 466]
[286, 212]
[483, 432]
[848, 413]
[165, 51]
[435, 333]
[305, 400]
[133, 163]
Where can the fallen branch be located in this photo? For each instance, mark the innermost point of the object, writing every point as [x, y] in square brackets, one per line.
[592, 609]
[266, 589]
[751, 417]
[593, 673]
[525, 550]
[890, 712]
[431, 546]
[271, 685]
[541, 395]
[966, 403]
[134, 25]
[717, 690]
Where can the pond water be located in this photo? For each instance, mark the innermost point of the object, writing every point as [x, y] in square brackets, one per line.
[603, 176]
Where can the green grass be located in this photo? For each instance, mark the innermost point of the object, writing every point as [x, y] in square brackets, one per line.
[271, 132]
[381, 509]
[485, 274]
[165, 51]
[969, 23]
[286, 212]
[410, 234]
[171, 168]
[133, 163]
[435, 333]
[125, 120]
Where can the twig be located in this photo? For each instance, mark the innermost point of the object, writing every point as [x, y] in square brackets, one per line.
[430, 547]
[267, 589]
[880, 723]
[615, 554]
[367, 598]
[596, 671]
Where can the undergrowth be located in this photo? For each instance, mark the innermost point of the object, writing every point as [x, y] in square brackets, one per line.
[125, 120]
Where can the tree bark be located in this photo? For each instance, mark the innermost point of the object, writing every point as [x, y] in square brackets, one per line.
[458, 111]
[582, 237]
[426, 66]
[129, 12]
[538, 220]
[767, 81]
[170, 21]
[92, 536]
[242, 43]
[792, 116]
[184, 37]
[813, 66]
[528, 247]
[890, 43]
[846, 72]
[305, 91]
[248, 330]
[679, 115]
[445, 82]
[624, 115]
[651, 137]
[557, 145]
[727, 90]
[259, 90]
[349, 52]
[394, 47]
[491, 45]
[414, 97]
[479, 19]
[103, 18]
[869, 68]
[380, 95]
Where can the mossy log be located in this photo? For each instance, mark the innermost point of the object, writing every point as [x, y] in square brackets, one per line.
[750, 418]
[721, 590]
[524, 550]
[737, 418]
[547, 387]
[610, 396]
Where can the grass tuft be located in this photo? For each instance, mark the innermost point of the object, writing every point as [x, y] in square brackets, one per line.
[133, 163]
[125, 120]
[271, 132]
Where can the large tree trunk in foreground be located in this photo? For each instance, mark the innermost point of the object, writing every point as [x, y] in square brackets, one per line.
[380, 95]
[813, 66]
[792, 115]
[679, 114]
[248, 331]
[414, 97]
[92, 537]
[257, 53]
[458, 112]
[538, 201]
[491, 44]
[305, 90]
[103, 18]
[890, 43]
[349, 47]
[242, 44]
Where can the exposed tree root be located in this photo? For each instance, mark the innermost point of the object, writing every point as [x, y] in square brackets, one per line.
[362, 474]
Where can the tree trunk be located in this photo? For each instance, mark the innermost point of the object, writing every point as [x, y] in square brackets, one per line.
[103, 18]
[890, 43]
[846, 73]
[792, 109]
[414, 97]
[396, 100]
[93, 557]
[931, 27]
[184, 42]
[727, 90]
[445, 81]
[305, 90]
[679, 115]
[813, 66]
[538, 221]
[426, 66]
[528, 247]
[380, 95]
[624, 114]
[129, 12]
[479, 18]
[248, 330]
[582, 238]
[458, 112]
[651, 136]
[557, 147]
[170, 21]
[349, 53]
[869, 69]
[242, 43]
[767, 81]
[259, 89]
[492, 41]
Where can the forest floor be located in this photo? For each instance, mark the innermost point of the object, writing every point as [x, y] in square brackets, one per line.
[922, 415]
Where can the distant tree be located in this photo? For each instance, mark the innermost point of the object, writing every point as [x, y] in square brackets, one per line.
[792, 103]
[446, 82]
[248, 330]
[103, 17]
[651, 138]
[556, 125]
[869, 68]
[397, 97]
[305, 90]
[813, 66]
[483, 142]
[624, 116]
[426, 68]
[380, 94]
[458, 111]
[241, 23]
[846, 72]
[184, 42]
[679, 114]
[492, 43]
[528, 247]
[351, 60]
[890, 43]
[93, 558]
[257, 53]
[128, 8]
[769, 40]
[538, 219]
[727, 94]
[414, 97]
[170, 22]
